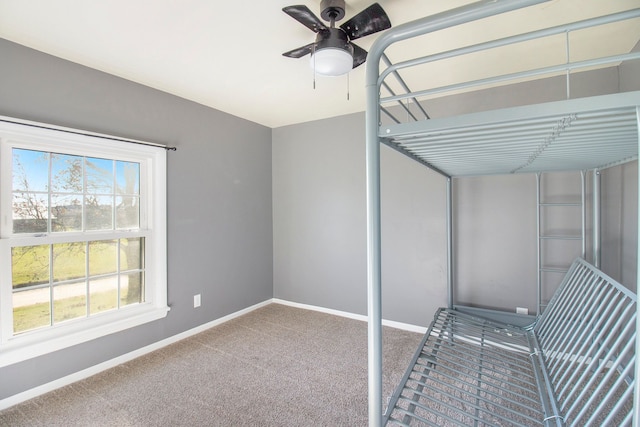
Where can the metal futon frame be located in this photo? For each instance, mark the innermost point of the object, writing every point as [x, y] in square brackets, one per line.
[574, 366]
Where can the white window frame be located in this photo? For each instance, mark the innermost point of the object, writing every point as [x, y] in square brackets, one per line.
[153, 227]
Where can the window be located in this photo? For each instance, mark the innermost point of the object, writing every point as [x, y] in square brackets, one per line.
[83, 238]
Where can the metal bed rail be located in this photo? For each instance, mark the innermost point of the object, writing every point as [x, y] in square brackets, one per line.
[574, 366]
[568, 67]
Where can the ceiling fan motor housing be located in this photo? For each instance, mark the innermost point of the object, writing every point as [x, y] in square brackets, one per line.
[333, 38]
[332, 9]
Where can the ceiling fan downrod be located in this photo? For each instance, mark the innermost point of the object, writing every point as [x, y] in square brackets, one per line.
[332, 10]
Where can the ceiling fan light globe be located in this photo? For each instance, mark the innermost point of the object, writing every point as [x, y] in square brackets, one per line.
[331, 62]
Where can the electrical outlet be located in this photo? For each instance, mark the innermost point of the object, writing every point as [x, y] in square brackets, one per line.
[197, 301]
[522, 310]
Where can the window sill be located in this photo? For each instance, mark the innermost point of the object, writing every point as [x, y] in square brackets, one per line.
[38, 343]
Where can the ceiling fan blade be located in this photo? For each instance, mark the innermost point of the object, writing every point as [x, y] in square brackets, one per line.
[303, 15]
[369, 21]
[359, 55]
[300, 52]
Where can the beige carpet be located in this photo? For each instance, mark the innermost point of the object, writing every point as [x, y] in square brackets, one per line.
[276, 366]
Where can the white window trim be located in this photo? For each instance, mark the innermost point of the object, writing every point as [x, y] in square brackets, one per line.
[153, 187]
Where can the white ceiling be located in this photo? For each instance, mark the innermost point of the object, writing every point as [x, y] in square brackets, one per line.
[228, 54]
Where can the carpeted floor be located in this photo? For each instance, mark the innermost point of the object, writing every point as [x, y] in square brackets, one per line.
[276, 366]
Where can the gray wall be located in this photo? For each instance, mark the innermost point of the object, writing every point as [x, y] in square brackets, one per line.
[319, 223]
[619, 223]
[495, 235]
[630, 73]
[219, 196]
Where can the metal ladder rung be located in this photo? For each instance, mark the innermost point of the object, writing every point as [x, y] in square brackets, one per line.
[560, 237]
[562, 204]
[554, 269]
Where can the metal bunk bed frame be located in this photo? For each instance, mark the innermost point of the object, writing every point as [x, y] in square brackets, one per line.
[411, 140]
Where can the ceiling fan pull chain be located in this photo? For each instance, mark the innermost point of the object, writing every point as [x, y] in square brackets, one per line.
[313, 51]
[347, 86]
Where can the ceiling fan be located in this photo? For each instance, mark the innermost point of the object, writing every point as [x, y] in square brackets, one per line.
[333, 52]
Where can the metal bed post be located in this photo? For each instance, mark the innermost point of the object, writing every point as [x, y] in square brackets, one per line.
[596, 217]
[636, 391]
[539, 249]
[374, 275]
[583, 213]
[457, 16]
[449, 219]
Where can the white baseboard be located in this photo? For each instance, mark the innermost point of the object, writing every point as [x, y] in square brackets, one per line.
[86, 373]
[362, 317]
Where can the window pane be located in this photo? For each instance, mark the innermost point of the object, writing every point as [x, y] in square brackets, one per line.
[29, 266]
[31, 309]
[103, 294]
[131, 254]
[30, 212]
[66, 212]
[30, 170]
[132, 288]
[69, 302]
[30, 285]
[99, 173]
[127, 212]
[103, 257]
[99, 212]
[128, 177]
[66, 173]
[69, 261]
